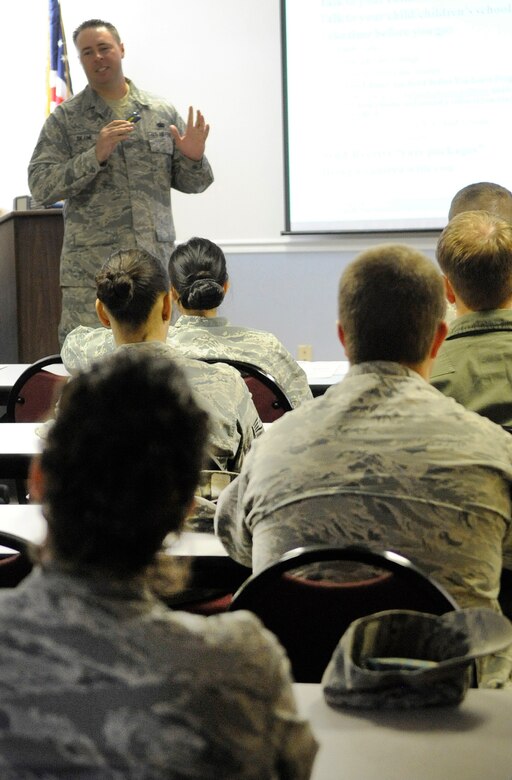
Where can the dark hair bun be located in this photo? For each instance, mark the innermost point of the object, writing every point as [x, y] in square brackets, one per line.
[203, 294]
[116, 290]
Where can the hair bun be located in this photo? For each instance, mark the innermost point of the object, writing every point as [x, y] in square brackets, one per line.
[204, 294]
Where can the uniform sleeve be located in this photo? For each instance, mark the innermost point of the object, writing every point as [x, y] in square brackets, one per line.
[190, 175]
[291, 376]
[53, 173]
[262, 699]
[248, 423]
[84, 345]
[229, 522]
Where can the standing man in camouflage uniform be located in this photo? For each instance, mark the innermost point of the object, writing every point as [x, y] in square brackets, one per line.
[113, 152]
[383, 458]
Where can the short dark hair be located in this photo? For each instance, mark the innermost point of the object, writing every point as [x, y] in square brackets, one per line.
[121, 462]
[129, 283]
[483, 196]
[94, 23]
[390, 302]
[475, 252]
[198, 274]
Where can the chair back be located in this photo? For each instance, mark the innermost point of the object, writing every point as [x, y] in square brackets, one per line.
[15, 561]
[310, 616]
[34, 392]
[269, 398]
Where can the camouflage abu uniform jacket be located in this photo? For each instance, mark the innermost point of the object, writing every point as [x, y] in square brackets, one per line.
[214, 337]
[124, 204]
[474, 364]
[101, 680]
[386, 460]
[382, 459]
[235, 421]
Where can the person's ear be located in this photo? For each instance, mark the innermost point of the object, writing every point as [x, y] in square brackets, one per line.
[440, 335]
[102, 314]
[175, 295]
[166, 307]
[448, 290]
[36, 481]
[226, 286]
[342, 339]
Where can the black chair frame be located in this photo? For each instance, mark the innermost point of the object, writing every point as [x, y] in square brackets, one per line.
[310, 616]
[14, 396]
[15, 566]
[251, 370]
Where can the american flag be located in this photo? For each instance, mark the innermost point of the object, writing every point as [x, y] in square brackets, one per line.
[59, 80]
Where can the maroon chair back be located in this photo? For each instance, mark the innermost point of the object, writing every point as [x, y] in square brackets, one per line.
[269, 398]
[35, 392]
[310, 616]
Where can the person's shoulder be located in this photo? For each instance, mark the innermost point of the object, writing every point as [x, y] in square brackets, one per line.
[234, 633]
[72, 104]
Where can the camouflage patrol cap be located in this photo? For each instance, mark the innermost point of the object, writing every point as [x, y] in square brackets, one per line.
[401, 659]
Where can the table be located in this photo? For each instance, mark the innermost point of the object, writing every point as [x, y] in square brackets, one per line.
[470, 742]
[210, 566]
[9, 373]
[322, 374]
[19, 443]
[27, 522]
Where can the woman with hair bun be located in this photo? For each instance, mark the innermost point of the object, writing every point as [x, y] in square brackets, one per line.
[199, 282]
[134, 304]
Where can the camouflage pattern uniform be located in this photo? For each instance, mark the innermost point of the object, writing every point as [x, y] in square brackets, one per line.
[381, 459]
[474, 364]
[214, 337]
[125, 203]
[101, 680]
[220, 389]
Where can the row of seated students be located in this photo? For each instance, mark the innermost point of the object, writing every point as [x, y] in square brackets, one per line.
[97, 674]
[381, 459]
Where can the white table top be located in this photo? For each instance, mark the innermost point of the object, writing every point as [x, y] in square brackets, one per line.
[324, 372]
[318, 372]
[470, 742]
[27, 522]
[9, 373]
[20, 439]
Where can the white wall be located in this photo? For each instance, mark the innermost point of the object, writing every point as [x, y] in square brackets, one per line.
[222, 56]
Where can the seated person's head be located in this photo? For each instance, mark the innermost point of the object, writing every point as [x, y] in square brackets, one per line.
[391, 306]
[475, 254]
[133, 290]
[199, 278]
[483, 196]
[121, 463]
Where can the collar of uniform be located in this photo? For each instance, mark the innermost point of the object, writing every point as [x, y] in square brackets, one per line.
[187, 320]
[480, 321]
[93, 100]
[382, 367]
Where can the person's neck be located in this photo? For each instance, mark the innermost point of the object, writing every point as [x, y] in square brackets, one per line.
[145, 333]
[461, 308]
[113, 91]
[423, 368]
[208, 313]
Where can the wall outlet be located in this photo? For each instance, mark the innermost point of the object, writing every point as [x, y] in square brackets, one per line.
[305, 352]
